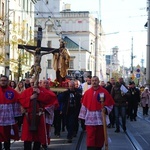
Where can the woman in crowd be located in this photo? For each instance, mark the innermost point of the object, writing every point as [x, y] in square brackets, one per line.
[12, 84]
[20, 87]
[145, 100]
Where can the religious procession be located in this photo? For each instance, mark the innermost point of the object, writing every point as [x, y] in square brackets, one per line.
[74, 75]
[32, 108]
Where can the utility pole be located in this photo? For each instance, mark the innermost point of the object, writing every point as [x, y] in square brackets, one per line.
[7, 47]
[96, 48]
[132, 56]
[148, 48]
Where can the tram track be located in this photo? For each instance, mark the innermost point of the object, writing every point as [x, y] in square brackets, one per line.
[78, 146]
[136, 145]
[133, 141]
[128, 134]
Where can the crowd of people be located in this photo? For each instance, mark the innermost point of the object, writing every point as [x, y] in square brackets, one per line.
[33, 110]
[28, 109]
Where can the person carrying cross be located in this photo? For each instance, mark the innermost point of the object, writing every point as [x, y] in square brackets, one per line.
[44, 99]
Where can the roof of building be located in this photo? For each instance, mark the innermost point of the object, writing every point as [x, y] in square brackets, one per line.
[71, 45]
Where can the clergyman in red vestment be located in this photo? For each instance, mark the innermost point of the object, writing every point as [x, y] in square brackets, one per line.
[91, 112]
[45, 99]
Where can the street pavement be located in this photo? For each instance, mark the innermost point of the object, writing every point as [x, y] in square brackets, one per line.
[138, 130]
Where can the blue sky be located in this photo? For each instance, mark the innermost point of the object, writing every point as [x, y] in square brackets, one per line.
[124, 16]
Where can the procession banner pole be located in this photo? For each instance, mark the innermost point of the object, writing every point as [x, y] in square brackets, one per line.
[104, 121]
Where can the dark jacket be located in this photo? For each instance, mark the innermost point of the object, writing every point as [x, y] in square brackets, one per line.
[119, 98]
[68, 106]
[134, 95]
[109, 87]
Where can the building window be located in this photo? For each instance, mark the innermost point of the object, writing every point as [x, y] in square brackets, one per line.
[24, 4]
[27, 31]
[19, 2]
[49, 28]
[30, 32]
[30, 9]
[49, 44]
[47, 2]
[28, 6]
[14, 16]
[19, 24]
[49, 64]
[71, 64]
[88, 64]
[23, 29]
[3, 10]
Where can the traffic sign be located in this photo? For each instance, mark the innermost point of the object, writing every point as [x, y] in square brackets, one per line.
[138, 75]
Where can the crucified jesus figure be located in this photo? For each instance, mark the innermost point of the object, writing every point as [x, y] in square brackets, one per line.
[36, 67]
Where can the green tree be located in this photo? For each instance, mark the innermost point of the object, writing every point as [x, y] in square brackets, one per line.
[20, 60]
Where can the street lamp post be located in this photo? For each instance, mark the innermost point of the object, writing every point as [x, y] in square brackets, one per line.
[7, 38]
[148, 49]
[132, 56]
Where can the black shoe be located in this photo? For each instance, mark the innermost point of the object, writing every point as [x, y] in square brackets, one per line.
[134, 119]
[124, 128]
[69, 141]
[44, 147]
[58, 135]
[117, 130]
[109, 126]
[131, 119]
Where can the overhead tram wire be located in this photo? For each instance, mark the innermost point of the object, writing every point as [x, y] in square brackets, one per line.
[54, 18]
[35, 12]
[41, 13]
[48, 9]
[126, 17]
[122, 10]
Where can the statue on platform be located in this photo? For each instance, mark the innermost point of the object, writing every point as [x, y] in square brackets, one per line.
[61, 58]
[61, 62]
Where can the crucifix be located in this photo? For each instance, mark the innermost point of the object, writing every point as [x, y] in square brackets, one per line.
[38, 52]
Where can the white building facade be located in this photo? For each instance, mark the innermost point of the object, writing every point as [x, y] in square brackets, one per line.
[18, 24]
[82, 30]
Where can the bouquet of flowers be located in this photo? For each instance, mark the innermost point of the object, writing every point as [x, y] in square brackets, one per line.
[56, 84]
[65, 83]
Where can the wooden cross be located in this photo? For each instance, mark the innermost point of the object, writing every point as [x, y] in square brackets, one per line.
[38, 52]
